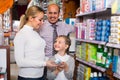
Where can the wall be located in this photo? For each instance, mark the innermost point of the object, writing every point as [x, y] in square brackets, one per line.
[69, 8]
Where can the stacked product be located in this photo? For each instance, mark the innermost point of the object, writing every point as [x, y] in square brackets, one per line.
[90, 30]
[86, 30]
[93, 5]
[7, 21]
[78, 51]
[84, 48]
[78, 27]
[102, 30]
[92, 50]
[116, 61]
[115, 30]
[80, 72]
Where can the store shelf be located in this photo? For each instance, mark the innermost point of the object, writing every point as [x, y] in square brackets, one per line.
[113, 45]
[92, 41]
[91, 65]
[93, 12]
[116, 75]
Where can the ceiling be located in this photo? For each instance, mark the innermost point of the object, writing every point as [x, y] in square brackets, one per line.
[21, 2]
[25, 2]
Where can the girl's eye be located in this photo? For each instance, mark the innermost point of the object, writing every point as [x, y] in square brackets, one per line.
[55, 41]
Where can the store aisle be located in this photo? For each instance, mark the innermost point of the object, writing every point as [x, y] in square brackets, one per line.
[14, 71]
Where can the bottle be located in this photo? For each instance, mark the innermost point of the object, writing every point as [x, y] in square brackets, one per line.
[99, 56]
[105, 77]
[95, 77]
[108, 60]
[1, 37]
[91, 76]
[104, 56]
[100, 77]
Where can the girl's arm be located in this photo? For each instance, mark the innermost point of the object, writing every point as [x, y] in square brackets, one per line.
[68, 71]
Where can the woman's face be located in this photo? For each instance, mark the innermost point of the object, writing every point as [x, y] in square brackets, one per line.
[38, 20]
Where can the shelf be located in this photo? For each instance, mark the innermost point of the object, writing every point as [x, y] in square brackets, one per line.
[93, 12]
[116, 75]
[91, 65]
[92, 41]
[113, 45]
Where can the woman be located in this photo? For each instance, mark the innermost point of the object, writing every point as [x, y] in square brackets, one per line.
[29, 46]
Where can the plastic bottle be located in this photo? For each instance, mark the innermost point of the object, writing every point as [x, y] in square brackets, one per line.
[99, 56]
[108, 60]
[100, 77]
[105, 77]
[95, 77]
[104, 56]
[91, 76]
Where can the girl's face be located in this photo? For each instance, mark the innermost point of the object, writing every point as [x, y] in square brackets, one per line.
[60, 45]
[37, 21]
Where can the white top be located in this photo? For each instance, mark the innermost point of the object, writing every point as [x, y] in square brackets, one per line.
[61, 75]
[29, 52]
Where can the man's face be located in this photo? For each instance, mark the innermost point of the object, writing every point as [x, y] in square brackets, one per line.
[53, 14]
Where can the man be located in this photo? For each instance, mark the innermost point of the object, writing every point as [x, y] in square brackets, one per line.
[53, 12]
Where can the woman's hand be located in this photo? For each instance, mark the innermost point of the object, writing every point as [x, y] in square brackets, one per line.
[50, 63]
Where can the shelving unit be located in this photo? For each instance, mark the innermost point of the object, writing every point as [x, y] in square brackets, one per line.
[7, 72]
[91, 65]
[93, 12]
[116, 46]
[91, 41]
[113, 45]
[98, 14]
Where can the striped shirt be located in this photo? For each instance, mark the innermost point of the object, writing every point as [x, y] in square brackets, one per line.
[46, 33]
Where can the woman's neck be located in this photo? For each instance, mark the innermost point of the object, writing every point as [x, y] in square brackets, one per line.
[28, 24]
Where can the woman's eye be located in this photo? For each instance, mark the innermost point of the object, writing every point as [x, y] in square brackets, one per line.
[40, 19]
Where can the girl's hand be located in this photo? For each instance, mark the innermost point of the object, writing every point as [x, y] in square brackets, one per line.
[60, 67]
[65, 66]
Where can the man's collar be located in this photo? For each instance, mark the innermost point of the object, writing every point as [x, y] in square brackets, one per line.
[50, 23]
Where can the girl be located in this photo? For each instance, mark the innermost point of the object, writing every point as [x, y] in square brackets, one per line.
[66, 63]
